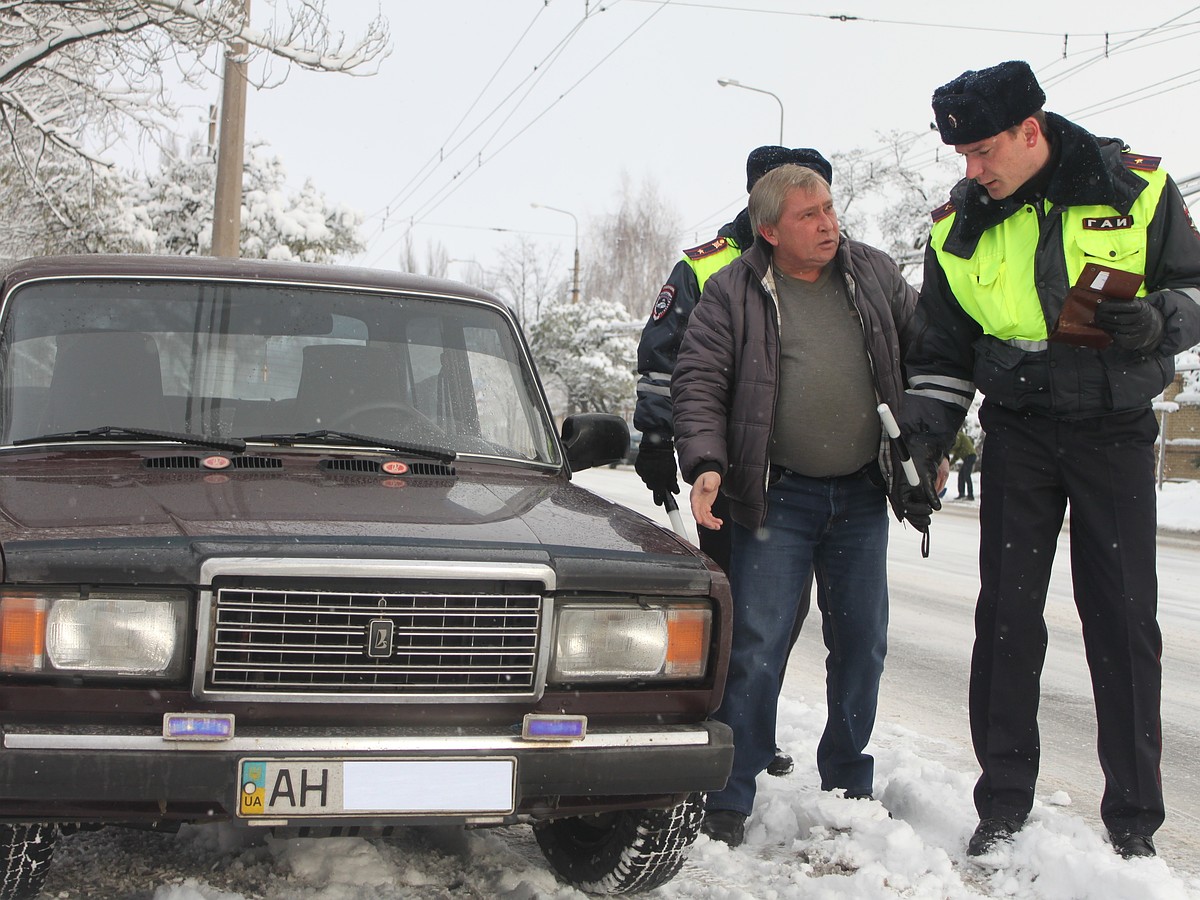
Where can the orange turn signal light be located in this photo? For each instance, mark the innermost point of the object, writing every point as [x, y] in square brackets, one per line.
[22, 633]
[688, 632]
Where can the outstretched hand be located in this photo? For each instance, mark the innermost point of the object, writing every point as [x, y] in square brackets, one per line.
[704, 493]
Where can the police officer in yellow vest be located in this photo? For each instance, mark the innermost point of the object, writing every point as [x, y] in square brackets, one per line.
[1066, 423]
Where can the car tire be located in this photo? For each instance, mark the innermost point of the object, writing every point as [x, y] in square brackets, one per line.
[25, 852]
[621, 852]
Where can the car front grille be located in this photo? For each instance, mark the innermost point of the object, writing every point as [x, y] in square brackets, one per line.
[307, 642]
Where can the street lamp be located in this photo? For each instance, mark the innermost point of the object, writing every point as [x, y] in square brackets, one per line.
[575, 276]
[733, 82]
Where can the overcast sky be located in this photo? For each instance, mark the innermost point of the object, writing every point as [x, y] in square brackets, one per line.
[486, 106]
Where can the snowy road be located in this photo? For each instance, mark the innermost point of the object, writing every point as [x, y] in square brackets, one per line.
[930, 636]
[929, 645]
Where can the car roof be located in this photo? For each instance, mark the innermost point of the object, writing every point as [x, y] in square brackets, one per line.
[249, 270]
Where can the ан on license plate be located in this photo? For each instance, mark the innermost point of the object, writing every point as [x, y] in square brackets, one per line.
[290, 788]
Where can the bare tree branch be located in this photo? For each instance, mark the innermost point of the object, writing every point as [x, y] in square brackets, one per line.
[76, 75]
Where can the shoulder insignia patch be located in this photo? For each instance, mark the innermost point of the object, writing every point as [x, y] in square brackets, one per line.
[1140, 163]
[942, 211]
[713, 246]
[662, 305]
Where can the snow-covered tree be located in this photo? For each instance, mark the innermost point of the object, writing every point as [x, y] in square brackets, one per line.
[177, 206]
[171, 212]
[587, 350]
[74, 75]
[885, 198]
[77, 76]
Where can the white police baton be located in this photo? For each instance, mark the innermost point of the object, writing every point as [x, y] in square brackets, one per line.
[892, 428]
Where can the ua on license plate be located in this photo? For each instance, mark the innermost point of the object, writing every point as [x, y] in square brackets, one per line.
[290, 788]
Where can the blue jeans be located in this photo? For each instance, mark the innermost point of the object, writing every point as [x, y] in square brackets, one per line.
[839, 528]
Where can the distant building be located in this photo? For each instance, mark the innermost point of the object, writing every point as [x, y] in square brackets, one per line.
[1182, 430]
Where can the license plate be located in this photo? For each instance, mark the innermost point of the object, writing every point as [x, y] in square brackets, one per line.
[291, 788]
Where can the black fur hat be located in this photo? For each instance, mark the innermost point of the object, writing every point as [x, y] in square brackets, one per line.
[763, 159]
[979, 105]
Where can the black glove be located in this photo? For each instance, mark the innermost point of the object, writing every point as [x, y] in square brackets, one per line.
[655, 464]
[1133, 324]
[919, 501]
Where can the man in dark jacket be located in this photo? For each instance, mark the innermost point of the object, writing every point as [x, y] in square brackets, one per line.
[1045, 206]
[659, 347]
[783, 365]
[663, 333]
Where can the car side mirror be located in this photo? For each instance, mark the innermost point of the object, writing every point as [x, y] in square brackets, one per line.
[594, 439]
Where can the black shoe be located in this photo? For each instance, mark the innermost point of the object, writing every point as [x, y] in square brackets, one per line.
[724, 825]
[990, 833]
[1131, 845]
[781, 765]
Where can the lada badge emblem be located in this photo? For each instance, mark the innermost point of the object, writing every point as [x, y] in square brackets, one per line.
[379, 638]
[394, 467]
[216, 462]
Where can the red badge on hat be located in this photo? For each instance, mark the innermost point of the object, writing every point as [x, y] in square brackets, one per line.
[662, 305]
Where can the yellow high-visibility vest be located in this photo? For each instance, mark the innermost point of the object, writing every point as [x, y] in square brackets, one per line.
[708, 259]
[996, 286]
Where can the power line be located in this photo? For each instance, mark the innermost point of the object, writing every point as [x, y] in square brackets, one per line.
[455, 183]
[1074, 63]
[850, 18]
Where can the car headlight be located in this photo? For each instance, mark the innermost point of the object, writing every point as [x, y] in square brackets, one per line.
[604, 640]
[103, 633]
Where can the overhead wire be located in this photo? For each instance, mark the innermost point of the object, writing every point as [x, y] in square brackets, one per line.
[456, 182]
[439, 153]
[537, 73]
[1130, 39]
[439, 156]
[923, 160]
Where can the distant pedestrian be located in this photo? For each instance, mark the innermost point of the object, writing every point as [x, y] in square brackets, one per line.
[964, 454]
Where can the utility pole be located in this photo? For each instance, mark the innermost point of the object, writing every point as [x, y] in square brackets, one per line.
[231, 150]
[575, 270]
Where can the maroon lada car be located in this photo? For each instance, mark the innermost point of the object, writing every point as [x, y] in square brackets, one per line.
[297, 547]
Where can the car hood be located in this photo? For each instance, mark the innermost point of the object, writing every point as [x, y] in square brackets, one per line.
[109, 507]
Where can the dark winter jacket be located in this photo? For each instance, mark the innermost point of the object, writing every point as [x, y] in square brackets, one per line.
[726, 376]
[663, 331]
[954, 355]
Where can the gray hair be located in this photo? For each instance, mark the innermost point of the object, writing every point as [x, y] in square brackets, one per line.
[770, 191]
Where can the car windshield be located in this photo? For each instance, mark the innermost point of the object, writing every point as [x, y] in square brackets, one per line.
[267, 363]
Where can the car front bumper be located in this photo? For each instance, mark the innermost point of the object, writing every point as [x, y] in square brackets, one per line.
[132, 776]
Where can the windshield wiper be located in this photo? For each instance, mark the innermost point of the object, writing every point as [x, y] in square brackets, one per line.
[121, 432]
[326, 435]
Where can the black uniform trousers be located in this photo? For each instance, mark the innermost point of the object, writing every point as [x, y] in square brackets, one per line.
[1104, 468]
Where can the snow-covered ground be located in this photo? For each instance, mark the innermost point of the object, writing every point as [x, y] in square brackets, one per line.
[1179, 506]
[800, 843]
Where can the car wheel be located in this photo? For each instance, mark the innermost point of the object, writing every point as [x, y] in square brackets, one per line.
[621, 852]
[25, 852]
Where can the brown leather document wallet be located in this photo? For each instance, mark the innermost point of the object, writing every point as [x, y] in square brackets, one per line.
[1076, 322]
